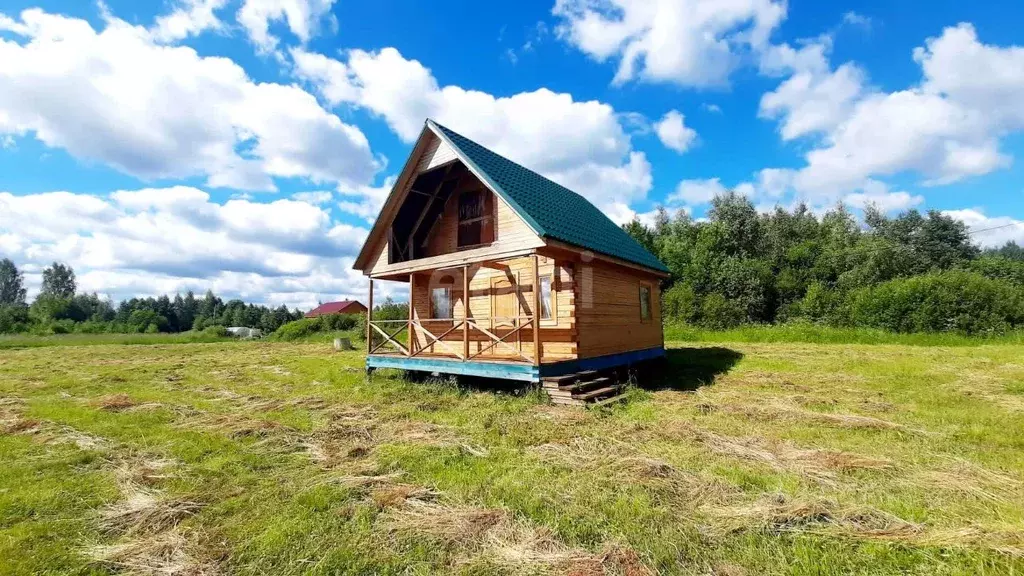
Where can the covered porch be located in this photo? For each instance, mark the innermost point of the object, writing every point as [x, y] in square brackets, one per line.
[492, 318]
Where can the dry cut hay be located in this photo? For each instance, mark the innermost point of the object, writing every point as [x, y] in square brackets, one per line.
[781, 513]
[966, 478]
[818, 464]
[620, 462]
[778, 411]
[143, 510]
[352, 434]
[165, 554]
[494, 537]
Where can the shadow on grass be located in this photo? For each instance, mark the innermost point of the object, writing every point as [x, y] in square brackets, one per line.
[682, 369]
[687, 369]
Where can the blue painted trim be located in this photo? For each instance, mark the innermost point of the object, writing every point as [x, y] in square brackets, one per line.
[513, 371]
[500, 370]
[601, 362]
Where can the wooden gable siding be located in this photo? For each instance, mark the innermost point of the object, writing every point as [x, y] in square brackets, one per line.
[608, 310]
[511, 235]
[558, 335]
[437, 153]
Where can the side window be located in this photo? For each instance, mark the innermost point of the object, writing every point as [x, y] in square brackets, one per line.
[476, 219]
[546, 302]
[441, 303]
[645, 303]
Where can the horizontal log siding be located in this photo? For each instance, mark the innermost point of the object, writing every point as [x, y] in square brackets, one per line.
[608, 312]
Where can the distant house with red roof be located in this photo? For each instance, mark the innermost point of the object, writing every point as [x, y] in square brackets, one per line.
[343, 307]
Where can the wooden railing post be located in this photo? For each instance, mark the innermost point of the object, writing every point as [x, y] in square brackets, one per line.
[465, 313]
[369, 321]
[536, 310]
[412, 309]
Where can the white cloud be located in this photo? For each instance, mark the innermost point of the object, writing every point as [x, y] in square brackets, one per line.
[319, 197]
[581, 145]
[152, 241]
[696, 192]
[302, 16]
[155, 111]
[946, 129]
[674, 133]
[878, 194]
[989, 231]
[687, 42]
[854, 19]
[189, 18]
[814, 99]
[366, 201]
[713, 108]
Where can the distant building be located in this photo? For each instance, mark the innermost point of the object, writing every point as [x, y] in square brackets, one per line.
[244, 332]
[343, 307]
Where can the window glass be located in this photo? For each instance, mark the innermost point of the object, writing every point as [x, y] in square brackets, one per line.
[645, 302]
[441, 303]
[475, 219]
[545, 297]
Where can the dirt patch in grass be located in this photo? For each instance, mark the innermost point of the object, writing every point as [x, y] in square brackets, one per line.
[115, 402]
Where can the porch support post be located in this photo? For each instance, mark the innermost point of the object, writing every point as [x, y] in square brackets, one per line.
[536, 310]
[412, 309]
[465, 313]
[369, 319]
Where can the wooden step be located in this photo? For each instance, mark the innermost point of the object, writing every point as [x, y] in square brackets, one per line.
[584, 386]
[608, 401]
[567, 378]
[596, 393]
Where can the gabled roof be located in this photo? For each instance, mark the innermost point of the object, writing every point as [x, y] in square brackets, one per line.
[552, 210]
[343, 307]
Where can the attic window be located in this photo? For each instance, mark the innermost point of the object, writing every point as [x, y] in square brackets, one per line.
[476, 218]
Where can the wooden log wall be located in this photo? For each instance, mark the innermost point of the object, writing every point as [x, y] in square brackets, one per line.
[608, 311]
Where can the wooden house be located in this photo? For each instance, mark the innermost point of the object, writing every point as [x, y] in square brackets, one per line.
[342, 307]
[511, 275]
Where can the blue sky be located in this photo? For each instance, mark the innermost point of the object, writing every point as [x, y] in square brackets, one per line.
[245, 145]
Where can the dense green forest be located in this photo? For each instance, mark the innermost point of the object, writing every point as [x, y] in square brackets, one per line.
[59, 309]
[910, 273]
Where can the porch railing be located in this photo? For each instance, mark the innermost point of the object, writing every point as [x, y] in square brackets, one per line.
[420, 339]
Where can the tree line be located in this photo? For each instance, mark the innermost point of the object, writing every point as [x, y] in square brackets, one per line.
[59, 308]
[908, 273]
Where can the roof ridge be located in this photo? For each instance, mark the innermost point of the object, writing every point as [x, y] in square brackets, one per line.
[544, 204]
[509, 160]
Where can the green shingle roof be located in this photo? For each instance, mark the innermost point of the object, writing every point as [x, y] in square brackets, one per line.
[551, 209]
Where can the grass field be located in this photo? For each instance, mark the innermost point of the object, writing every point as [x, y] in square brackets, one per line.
[742, 458]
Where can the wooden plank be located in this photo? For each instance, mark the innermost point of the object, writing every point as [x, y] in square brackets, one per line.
[465, 311]
[412, 309]
[389, 338]
[369, 320]
[536, 311]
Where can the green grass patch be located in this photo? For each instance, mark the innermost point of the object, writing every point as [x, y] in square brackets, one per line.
[738, 458]
[811, 333]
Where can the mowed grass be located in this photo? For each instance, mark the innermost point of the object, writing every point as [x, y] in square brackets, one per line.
[274, 458]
